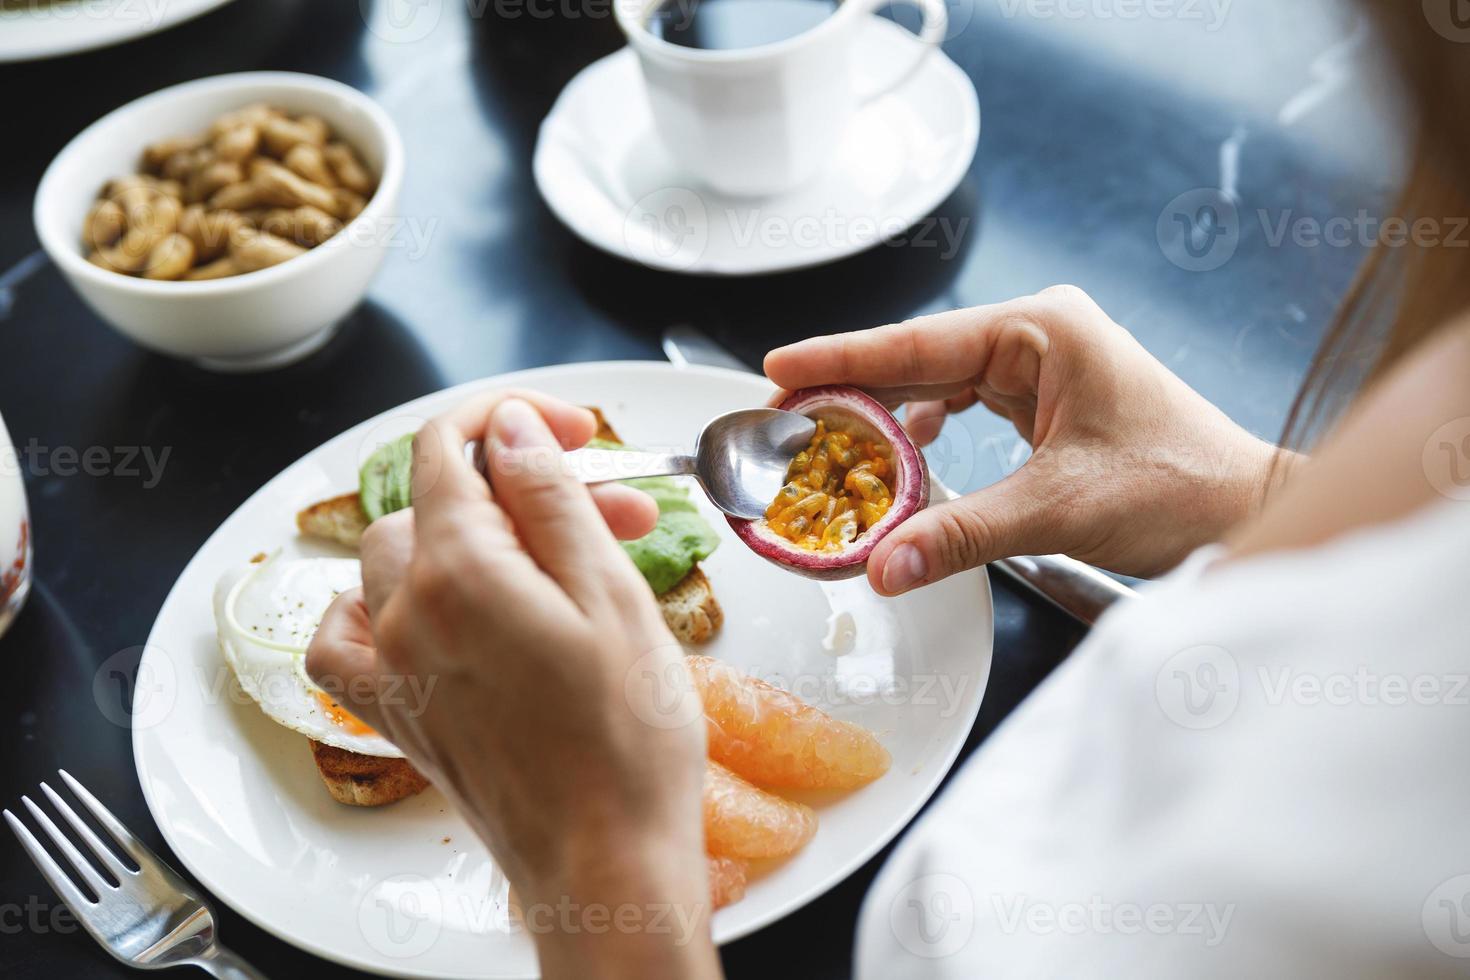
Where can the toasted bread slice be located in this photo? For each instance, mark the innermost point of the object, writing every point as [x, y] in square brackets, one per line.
[690, 607]
[604, 430]
[340, 519]
[365, 780]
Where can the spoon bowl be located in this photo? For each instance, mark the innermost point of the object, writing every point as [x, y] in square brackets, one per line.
[740, 459]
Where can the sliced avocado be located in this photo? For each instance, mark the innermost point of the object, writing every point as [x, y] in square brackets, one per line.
[681, 537]
[663, 556]
[385, 483]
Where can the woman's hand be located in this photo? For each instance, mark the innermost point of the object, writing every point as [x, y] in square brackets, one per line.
[1131, 468]
[535, 637]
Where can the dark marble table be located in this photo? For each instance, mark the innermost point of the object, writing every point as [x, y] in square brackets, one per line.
[1094, 122]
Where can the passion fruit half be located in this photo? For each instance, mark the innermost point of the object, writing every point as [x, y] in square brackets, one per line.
[860, 478]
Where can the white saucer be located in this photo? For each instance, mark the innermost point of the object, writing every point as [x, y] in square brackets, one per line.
[602, 171]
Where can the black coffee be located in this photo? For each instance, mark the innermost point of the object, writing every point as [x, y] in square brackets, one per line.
[720, 25]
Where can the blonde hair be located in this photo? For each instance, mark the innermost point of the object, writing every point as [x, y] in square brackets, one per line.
[1407, 290]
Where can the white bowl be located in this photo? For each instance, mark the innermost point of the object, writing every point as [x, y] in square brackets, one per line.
[15, 537]
[251, 322]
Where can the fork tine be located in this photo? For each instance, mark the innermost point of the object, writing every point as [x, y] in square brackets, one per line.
[104, 854]
[50, 870]
[84, 867]
[135, 848]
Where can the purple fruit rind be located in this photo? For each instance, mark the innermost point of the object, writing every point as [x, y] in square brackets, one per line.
[910, 490]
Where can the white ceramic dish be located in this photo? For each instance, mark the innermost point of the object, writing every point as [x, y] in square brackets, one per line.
[606, 175]
[47, 29]
[252, 322]
[760, 120]
[15, 534]
[407, 890]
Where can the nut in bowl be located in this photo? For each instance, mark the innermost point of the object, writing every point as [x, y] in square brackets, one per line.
[232, 221]
[257, 189]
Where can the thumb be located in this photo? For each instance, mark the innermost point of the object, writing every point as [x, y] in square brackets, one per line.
[342, 660]
[1008, 518]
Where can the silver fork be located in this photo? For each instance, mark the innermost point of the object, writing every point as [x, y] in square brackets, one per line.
[152, 918]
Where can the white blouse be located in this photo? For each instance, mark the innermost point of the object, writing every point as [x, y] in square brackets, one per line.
[1253, 771]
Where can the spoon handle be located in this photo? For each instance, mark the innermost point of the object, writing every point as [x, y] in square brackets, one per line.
[607, 465]
[602, 465]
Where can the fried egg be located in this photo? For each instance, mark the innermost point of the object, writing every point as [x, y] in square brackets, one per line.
[266, 614]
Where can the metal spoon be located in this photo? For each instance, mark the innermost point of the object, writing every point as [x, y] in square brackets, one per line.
[740, 459]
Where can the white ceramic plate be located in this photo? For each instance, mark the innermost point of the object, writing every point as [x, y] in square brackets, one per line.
[45, 29]
[604, 173]
[407, 890]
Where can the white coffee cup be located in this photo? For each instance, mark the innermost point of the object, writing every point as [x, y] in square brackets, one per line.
[15, 544]
[758, 121]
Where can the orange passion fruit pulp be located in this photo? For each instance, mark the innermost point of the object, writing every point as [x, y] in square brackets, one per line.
[834, 491]
[859, 478]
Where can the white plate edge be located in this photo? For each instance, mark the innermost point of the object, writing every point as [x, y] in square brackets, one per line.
[104, 37]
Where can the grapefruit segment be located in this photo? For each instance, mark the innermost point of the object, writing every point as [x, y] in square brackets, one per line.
[726, 881]
[775, 739]
[744, 821]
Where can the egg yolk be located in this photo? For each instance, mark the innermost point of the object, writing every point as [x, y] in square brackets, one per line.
[343, 718]
[835, 490]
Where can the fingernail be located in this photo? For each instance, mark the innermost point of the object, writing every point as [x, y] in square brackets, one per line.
[904, 569]
[516, 425]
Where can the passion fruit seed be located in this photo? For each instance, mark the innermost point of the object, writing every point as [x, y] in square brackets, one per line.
[834, 491]
[861, 477]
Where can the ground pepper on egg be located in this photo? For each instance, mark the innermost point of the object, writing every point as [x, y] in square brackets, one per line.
[835, 490]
